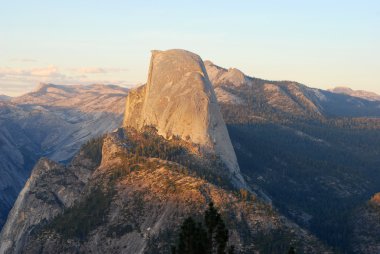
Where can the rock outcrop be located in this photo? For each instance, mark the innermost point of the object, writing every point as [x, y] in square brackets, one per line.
[179, 100]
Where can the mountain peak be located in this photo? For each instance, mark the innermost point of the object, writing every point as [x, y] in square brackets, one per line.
[42, 87]
[208, 62]
[179, 100]
[231, 76]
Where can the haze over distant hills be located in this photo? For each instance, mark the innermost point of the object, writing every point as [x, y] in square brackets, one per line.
[4, 97]
[371, 96]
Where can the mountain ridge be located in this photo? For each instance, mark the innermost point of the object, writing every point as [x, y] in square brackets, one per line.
[54, 123]
[286, 99]
[367, 95]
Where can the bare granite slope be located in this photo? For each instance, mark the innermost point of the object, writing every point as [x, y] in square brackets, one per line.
[179, 100]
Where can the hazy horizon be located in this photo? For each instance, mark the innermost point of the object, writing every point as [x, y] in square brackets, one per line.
[321, 44]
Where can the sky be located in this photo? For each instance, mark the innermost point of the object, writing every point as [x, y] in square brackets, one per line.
[318, 43]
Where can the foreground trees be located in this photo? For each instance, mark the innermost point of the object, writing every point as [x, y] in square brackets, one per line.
[209, 236]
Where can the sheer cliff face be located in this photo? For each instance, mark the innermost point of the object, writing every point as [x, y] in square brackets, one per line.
[179, 100]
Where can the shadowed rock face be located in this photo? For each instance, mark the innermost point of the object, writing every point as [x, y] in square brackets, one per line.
[179, 100]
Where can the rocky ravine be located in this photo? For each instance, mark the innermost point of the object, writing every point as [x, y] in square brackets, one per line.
[53, 121]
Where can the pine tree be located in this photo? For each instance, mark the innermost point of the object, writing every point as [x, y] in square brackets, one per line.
[221, 236]
[217, 233]
[211, 221]
[194, 238]
[292, 250]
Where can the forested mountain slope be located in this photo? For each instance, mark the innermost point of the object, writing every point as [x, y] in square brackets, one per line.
[313, 152]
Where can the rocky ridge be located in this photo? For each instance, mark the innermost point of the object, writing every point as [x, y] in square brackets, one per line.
[283, 99]
[371, 96]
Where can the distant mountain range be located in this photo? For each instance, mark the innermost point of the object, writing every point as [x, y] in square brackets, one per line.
[285, 98]
[356, 93]
[4, 97]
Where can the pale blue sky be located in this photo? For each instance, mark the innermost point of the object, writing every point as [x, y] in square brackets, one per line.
[318, 43]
